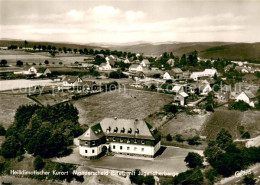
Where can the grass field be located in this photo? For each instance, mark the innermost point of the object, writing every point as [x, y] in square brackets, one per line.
[129, 104]
[186, 125]
[8, 106]
[230, 120]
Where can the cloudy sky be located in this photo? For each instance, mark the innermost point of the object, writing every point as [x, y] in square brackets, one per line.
[124, 21]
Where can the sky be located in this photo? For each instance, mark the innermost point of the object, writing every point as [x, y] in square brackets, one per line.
[124, 21]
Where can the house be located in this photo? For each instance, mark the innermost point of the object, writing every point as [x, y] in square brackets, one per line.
[250, 78]
[71, 81]
[123, 136]
[201, 88]
[88, 85]
[44, 71]
[105, 66]
[207, 72]
[110, 60]
[246, 96]
[127, 61]
[177, 73]
[29, 71]
[135, 68]
[171, 62]
[168, 75]
[177, 89]
[145, 63]
[181, 98]
[139, 76]
[186, 75]
[228, 67]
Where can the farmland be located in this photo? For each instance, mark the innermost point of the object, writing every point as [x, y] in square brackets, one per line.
[129, 104]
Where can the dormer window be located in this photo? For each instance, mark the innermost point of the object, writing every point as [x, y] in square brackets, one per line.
[108, 129]
[137, 131]
[129, 131]
[123, 130]
[115, 130]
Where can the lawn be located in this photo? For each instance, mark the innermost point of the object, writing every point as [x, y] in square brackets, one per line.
[230, 120]
[8, 106]
[129, 104]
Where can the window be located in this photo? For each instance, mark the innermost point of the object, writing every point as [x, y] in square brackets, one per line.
[93, 151]
[135, 148]
[114, 139]
[128, 141]
[142, 149]
[121, 147]
[114, 146]
[143, 142]
[121, 140]
[86, 151]
[93, 143]
[128, 148]
[135, 141]
[86, 143]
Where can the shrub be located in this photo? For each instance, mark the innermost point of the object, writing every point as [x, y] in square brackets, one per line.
[2, 130]
[246, 135]
[194, 160]
[171, 108]
[179, 138]
[249, 179]
[240, 105]
[38, 163]
[169, 137]
[194, 140]
[209, 108]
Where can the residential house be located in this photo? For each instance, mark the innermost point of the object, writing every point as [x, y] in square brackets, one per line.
[177, 73]
[135, 68]
[200, 88]
[123, 136]
[171, 62]
[181, 98]
[71, 81]
[228, 67]
[29, 71]
[88, 86]
[105, 66]
[207, 72]
[127, 61]
[110, 60]
[145, 63]
[44, 71]
[177, 89]
[250, 78]
[246, 96]
[168, 75]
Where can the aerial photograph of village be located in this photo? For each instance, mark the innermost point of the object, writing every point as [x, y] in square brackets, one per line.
[97, 92]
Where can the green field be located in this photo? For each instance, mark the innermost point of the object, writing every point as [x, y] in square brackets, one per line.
[129, 104]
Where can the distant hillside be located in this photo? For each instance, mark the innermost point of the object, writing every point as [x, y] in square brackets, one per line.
[178, 48]
[4, 43]
[238, 51]
[228, 50]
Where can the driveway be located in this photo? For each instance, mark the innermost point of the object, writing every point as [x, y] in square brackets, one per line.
[170, 162]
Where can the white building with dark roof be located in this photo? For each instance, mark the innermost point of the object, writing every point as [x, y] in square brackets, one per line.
[123, 136]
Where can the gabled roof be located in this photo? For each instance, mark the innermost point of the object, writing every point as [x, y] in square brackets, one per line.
[183, 94]
[93, 133]
[132, 125]
[171, 73]
[249, 94]
[134, 65]
[139, 74]
[71, 79]
[103, 64]
[146, 61]
[176, 88]
[88, 83]
[42, 69]
[177, 70]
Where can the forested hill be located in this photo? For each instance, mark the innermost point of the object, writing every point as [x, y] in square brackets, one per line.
[228, 50]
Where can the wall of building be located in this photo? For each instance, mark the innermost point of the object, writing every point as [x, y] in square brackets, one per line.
[134, 149]
[91, 151]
